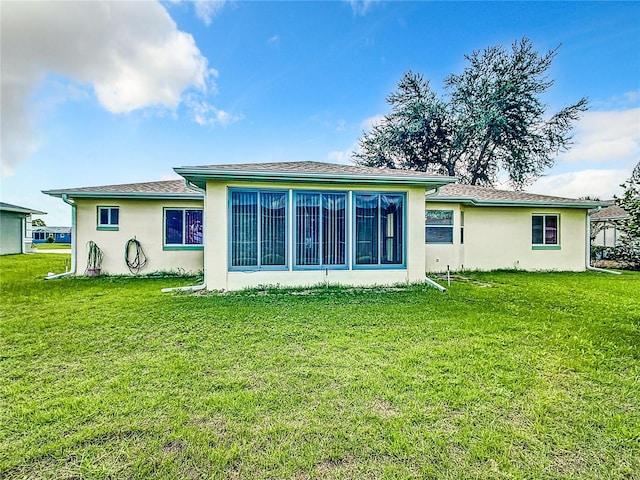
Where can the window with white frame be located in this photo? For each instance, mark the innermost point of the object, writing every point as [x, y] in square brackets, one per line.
[108, 218]
[258, 229]
[438, 226]
[379, 229]
[320, 229]
[544, 230]
[38, 235]
[182, 227]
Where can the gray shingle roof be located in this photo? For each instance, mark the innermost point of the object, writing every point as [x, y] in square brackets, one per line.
[485, 195]
[313, 168]
[303, 172]
[166, 188]
[613, 212]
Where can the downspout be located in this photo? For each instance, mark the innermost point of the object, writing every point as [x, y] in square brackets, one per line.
[202, 286]
[429, 281]
[74, 241]
[588, 249]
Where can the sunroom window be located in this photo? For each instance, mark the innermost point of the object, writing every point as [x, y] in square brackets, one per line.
[379, 229]
[258, 229]
[320, 229]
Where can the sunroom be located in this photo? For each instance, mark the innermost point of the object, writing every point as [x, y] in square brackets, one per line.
[306, 223]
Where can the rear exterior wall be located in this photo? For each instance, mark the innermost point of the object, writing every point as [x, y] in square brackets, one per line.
[500, 238]
[139, 219]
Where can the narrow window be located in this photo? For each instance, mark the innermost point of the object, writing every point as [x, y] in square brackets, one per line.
[273, 228]
[544, 230]
[108, 218]
[379, 226]
[182, 227]
[320, 229]
[438, 226]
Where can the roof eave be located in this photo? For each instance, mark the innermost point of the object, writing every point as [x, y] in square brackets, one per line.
[511, 203]
[23, 211]
[200, 176]
[125, 195]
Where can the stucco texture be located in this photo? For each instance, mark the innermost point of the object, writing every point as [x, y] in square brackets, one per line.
[500, 238]
[142, 219]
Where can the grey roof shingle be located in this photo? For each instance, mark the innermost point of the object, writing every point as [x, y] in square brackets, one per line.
[160, 189]
[613, 212]
[456, 191]
[313, 168]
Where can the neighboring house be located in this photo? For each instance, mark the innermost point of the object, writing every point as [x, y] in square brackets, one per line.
[304, 223]
[15, 228]
[607, 223]
[59, 234]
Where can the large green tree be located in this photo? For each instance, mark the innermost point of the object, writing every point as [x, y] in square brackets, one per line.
[629, 250]
[491, 119]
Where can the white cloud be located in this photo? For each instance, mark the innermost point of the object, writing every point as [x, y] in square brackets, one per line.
[606, 137]
[599, 183]
[130, 53]
[207, 9]
[274, 40]
[205, 113]
[368, 123]
[342, 156]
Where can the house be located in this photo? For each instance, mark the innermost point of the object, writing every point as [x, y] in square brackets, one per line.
[304, 223]
[15, 228]
[58, 234]
[606, 223]
[469, 227]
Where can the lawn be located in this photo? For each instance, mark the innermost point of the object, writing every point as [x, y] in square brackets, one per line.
[52, 246]
[507, 375]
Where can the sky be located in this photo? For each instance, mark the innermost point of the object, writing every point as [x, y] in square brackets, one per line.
[100, 93]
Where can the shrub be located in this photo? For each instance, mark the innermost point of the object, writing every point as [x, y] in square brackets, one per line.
[50, 239]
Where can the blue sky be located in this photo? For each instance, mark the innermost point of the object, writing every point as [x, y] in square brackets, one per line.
[121, 92]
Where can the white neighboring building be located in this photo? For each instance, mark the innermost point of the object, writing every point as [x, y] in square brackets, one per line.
[608, 220]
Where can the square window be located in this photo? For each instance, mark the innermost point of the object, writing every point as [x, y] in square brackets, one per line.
[108, 218]
[438, 226]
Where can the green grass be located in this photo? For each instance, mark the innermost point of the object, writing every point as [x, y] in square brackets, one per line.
[507, 375]
[52, 246]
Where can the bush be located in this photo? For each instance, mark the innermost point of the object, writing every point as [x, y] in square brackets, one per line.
[51, 239]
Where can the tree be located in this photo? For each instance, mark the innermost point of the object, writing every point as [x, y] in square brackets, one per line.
[38, 222]
[491, 119]
[629, 250]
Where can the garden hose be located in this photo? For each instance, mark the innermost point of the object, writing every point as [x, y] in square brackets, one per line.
[139, 259]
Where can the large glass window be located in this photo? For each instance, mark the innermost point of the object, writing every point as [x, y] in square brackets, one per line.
[183, 227]
[544, 230]
[320, 229]
[438, 226]
[379, 229]
[258, 228]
